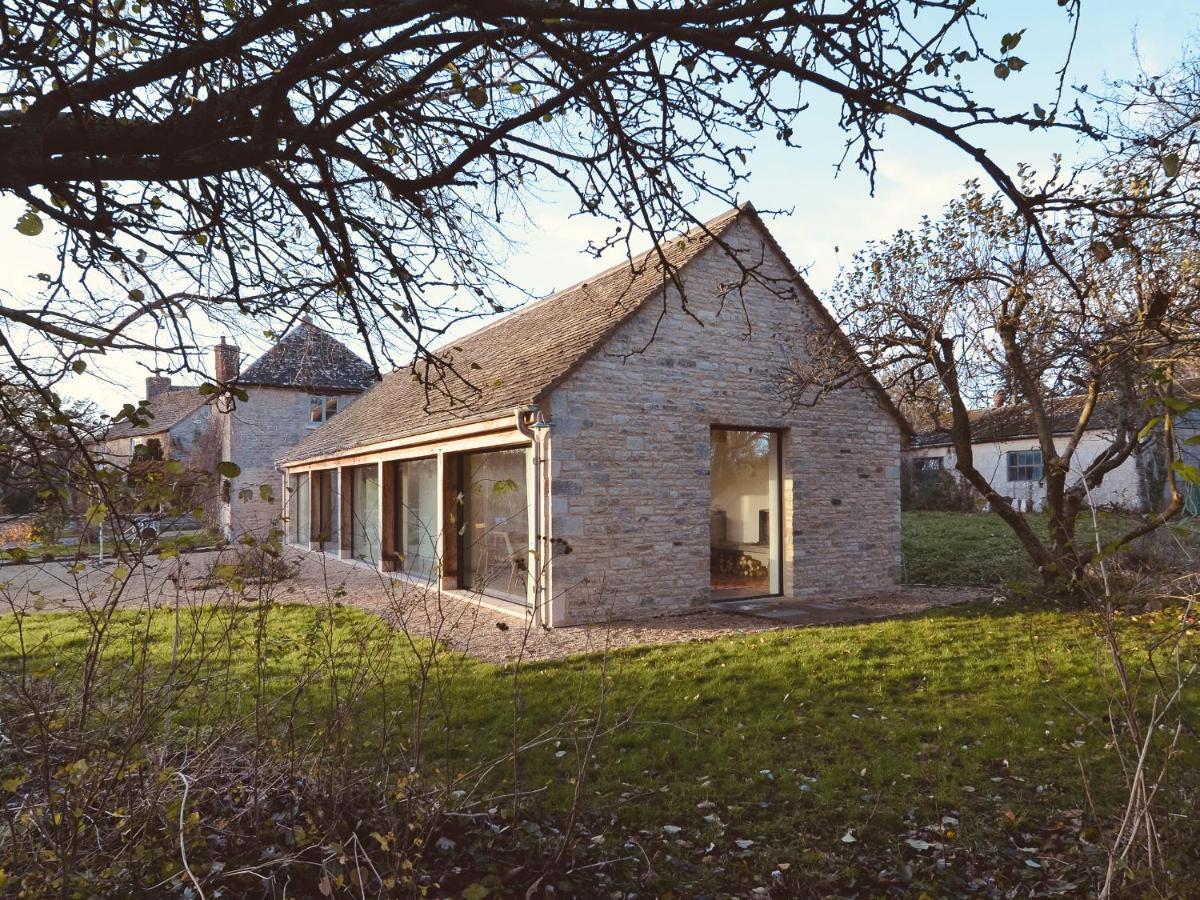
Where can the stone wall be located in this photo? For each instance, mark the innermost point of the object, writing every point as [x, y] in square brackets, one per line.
[254, 435]
[177, 443]
[630, 451]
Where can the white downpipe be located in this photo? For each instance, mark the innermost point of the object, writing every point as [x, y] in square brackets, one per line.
[537, 563]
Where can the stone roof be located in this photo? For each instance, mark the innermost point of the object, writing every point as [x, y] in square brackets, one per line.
[309, 358]
[517, 359]
[512, 361]
[165, 411]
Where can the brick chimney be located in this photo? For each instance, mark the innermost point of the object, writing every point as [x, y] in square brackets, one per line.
[226, 361]
[157, 384]
[998, 399]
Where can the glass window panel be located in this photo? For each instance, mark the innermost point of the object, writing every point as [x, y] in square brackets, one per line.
[315, 409]
[325, 495]
[418, 516]
[1024, 465]
[301, 510]
[496, 524]
[331, 407]
[927, 468]
[744, 515]
[364, 513]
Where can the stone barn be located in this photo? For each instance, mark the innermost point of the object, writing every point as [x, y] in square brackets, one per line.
[620, 449]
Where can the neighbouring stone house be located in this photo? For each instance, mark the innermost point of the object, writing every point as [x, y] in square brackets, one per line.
[619, 450]
[306, 379]
[1007, 452]
[301, 382]
[177, 418]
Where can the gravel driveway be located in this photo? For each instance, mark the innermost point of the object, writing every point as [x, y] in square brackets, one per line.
[477, 630]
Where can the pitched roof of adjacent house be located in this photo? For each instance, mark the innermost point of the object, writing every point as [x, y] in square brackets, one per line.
[1014, 421]
[164, 412]
[519, 358]
[309, 358]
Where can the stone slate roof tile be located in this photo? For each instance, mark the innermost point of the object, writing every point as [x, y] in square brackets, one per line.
[518, 359]
[309, 358]
[166, 411]
[511, 362]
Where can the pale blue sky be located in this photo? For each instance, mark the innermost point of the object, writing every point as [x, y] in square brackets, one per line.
[830, 216]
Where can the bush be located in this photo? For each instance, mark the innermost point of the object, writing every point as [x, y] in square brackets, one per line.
[940, 491]
[252, 562]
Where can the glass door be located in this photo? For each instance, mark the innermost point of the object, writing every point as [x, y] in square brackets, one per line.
[301, 509]
[495, 535]
[417, 518]
[364, 513]
[744, 514]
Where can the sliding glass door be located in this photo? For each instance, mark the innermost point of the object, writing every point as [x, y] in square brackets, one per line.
[416, 517]
[364, 513]
[325, 503]
[301, 510]
[744, 517]
[495, 536]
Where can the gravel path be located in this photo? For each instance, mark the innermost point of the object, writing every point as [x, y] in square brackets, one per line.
[477, 630]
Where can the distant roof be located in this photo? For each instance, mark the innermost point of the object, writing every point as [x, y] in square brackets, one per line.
[309, 358]
[1015, 420]
[519, 358]
[165, 411]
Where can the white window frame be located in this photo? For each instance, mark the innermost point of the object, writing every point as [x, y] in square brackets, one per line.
[319, 403]
[1022, 463]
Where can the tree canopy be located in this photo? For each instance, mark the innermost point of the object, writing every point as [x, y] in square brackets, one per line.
[358, 160]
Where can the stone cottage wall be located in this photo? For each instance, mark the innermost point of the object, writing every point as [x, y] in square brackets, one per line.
[189, 432]
[630, 452]
[254, 435]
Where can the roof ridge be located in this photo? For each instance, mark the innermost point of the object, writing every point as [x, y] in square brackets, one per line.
[629, 262]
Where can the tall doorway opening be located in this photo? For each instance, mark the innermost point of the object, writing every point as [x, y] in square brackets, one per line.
[745, 529]
[495, 532]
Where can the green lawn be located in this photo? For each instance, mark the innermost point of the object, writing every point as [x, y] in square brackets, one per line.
[980, 549]
[797, 737]
[204, 537]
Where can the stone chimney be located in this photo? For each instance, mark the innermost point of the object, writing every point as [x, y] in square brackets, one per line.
[226, 361]
[157, 384]
[998, 399]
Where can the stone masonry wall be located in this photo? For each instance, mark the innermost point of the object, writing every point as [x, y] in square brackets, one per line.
[630, 452]
[254, 435]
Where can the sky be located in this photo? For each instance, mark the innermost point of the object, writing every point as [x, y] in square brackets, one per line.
[827, 215]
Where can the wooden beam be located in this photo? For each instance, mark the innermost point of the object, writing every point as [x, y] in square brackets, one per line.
[345, 496]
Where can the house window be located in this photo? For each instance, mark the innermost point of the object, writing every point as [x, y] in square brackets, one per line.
[926, 468]
[321, 409]
[1024, 465]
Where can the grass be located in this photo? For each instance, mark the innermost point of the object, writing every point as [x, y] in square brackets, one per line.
[980, 549]
[796, 739]
[69, 550]
[798, 736]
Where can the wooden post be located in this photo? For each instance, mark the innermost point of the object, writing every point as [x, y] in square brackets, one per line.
[389, 492]
[314, 510]
[449, 518]
[346, 498]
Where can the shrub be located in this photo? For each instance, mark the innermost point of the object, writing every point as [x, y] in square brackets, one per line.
[941, 491]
